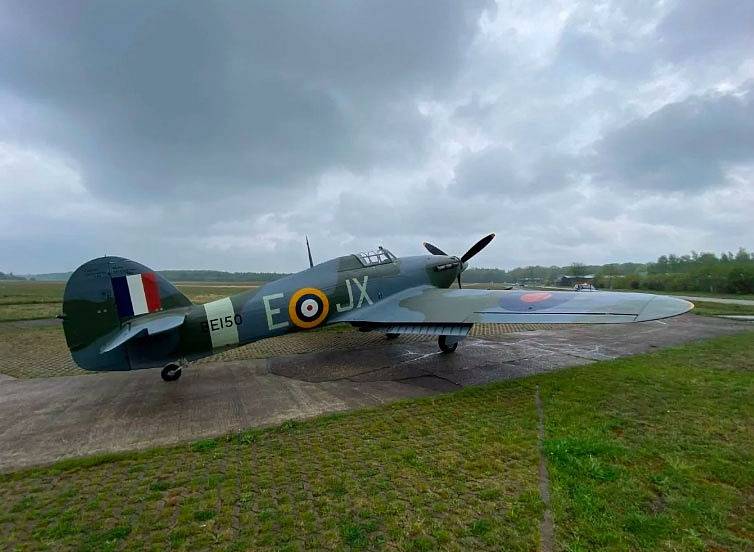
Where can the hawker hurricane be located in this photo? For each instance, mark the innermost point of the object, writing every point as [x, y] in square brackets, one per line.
[120, 315]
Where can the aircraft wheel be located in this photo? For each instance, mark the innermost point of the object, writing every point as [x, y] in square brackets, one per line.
[444, 347]
[392, 335]
[171, 372]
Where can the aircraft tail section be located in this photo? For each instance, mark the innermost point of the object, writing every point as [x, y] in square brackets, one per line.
[106, 295]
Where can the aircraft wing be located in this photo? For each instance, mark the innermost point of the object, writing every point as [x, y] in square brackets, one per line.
[427, 305]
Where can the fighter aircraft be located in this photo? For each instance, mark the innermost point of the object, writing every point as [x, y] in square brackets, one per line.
[121, 315]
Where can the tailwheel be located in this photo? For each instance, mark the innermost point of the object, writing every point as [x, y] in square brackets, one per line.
[171, 372]
[392, 335]
[448, 344]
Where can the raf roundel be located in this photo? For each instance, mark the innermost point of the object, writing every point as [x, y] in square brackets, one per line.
[308, 308]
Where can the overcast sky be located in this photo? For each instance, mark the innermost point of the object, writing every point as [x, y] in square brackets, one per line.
[218, 134]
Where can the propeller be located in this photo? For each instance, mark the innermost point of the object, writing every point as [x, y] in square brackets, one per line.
[434, 249]
[473, 250]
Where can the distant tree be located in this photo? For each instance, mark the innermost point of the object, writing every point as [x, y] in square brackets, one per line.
[743, 255]
[662, 264]
[577, 269]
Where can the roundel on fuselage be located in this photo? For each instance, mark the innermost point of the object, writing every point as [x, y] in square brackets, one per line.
[308, 308]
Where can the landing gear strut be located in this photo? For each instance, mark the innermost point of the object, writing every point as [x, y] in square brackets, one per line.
[448, 344]
[171, 372]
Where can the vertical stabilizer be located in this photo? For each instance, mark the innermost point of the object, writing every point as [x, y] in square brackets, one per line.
[102, 296]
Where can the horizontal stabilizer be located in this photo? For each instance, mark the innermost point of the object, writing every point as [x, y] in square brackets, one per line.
[147, 326]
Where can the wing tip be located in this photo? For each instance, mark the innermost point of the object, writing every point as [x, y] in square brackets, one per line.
[663, 306]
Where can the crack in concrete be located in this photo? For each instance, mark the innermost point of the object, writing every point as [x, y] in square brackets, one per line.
[431, 375]
[546, 525]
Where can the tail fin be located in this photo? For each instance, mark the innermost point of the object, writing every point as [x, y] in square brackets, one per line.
[100, 296]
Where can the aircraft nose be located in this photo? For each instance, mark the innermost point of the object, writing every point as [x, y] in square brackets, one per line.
[663, 306]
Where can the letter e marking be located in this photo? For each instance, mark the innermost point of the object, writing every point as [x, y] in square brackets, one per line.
[269, 311]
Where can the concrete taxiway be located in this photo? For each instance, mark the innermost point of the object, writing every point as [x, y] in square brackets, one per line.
[47, 419]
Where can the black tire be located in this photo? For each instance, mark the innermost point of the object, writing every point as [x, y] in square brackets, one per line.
[171, 372]
[392, 335]
[444, 347]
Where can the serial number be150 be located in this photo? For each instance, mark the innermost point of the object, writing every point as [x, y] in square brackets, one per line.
[215, 324]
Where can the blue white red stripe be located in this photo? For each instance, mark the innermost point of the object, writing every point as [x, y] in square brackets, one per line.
[136, 294]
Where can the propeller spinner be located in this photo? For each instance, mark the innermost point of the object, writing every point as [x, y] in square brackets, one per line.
[473, 250]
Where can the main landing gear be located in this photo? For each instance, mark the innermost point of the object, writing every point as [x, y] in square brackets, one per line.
[448, 343]
[171, 372]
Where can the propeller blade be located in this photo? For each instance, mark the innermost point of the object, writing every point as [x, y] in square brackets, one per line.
[459, 280]
[476, 248]
[434, 249]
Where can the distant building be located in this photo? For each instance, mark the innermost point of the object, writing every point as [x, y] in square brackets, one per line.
[570, 281]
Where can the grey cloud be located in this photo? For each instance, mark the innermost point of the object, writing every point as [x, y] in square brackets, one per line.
[683, 146]
[707, 28]
[500, 171]
[225, 131]
[168, 96]
[583, 53]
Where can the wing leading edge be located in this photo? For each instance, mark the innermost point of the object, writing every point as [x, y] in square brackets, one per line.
[430, 305]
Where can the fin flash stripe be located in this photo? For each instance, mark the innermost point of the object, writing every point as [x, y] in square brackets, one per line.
[308, 308]
[136, 294]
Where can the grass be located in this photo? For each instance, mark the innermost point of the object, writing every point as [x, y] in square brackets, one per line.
[651, 452]
[14, 292]
[709, 308]
[29, 311]
[656, 453]
[24, 300]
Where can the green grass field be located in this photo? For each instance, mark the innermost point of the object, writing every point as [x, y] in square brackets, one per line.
[708, 308]
[652, 452]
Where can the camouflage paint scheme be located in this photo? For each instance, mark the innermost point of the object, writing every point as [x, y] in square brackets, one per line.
[409, 294]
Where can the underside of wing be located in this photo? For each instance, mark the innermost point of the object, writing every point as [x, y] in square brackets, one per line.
[428, 305]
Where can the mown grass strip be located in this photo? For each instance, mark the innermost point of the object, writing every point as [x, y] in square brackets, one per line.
[708, 308]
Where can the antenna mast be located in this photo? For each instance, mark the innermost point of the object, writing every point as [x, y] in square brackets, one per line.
[309, 251]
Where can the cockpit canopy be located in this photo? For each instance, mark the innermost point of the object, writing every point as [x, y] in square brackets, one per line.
[375, 257]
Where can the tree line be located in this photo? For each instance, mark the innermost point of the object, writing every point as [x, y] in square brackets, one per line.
[727, 273]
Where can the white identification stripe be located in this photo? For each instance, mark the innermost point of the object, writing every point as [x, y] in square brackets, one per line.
[221, 322]
[136, 291]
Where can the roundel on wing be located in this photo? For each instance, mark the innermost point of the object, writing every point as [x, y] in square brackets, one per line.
[308, 308]
[532, 300]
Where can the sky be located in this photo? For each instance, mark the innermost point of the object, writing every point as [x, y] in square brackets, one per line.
[218, 134]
